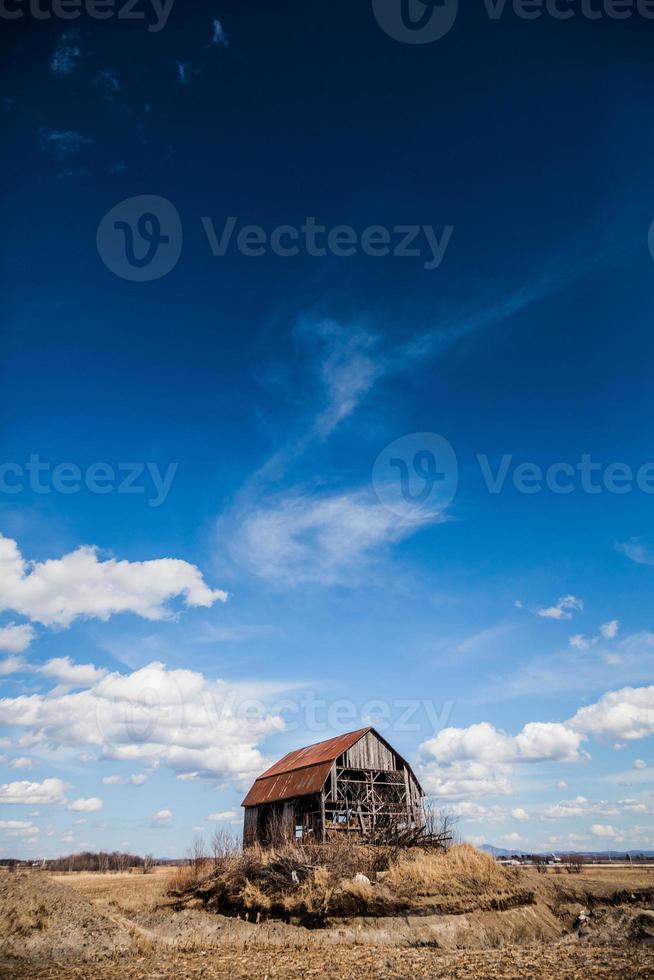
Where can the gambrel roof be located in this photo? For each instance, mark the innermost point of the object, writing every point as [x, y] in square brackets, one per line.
[304, 771]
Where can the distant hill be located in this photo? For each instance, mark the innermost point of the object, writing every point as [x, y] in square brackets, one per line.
[496, 851]
[598, 855]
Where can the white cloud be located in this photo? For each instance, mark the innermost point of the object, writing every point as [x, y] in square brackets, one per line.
[464, 779]
[89, 805]
[603, 830]
[625, 714]
[66, 55]
[226, 816]
[136, 780]
[579, 642]
[219, 37]
[19, 828]
[478, 760]
[23, 762]
[640, 764]
[581, 806]
[16, 638]
[562, 609]
[323, 540]
[183, 68]
[75, 675]
[162, 818]
[178, 718]
[637, 552]
[49, 791]
[519, 814]
[512, 838]
[62, 143]
[610, 630]
[477, 812]
[483, 742]
[12, 665]
[106, 82]
[633, 806]
[58, 591]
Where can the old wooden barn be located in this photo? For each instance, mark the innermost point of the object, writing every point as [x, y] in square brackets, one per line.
[355, 784]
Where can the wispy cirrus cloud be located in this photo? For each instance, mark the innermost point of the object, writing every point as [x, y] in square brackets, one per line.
[107, 83]
[636, 551]
[351, 360]
[219, 37]
[323, 539]
[67, 54]
[62, 143]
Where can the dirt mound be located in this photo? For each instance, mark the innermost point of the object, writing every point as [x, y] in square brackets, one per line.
[41, 919]
[614, 925]
[312, 887]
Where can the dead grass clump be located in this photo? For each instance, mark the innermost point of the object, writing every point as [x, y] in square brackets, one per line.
[253, 898]
[309, 883]
[461, 869]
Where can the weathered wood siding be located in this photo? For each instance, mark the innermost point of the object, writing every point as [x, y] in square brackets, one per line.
[250, 826]
[370, 753]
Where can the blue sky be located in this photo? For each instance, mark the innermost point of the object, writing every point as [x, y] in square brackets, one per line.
[208, 552]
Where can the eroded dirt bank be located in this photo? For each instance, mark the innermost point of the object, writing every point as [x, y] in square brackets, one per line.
[596, 925]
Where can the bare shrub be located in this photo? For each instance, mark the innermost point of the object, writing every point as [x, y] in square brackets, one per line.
[573, 863]
[224, 846]
[198, 856]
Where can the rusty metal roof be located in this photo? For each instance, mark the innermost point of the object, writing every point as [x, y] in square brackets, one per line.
[302, 771]
[311, 755]
[284, 786]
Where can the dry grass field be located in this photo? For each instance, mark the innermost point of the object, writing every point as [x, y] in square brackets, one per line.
[598, 924]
